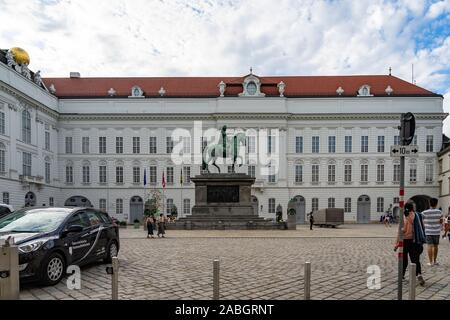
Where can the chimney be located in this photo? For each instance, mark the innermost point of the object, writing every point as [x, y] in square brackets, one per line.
[75, 75]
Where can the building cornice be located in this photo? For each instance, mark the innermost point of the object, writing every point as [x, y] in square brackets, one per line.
[247, 116]
[28, 102]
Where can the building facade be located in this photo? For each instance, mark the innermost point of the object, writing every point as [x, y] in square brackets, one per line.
[93, 141]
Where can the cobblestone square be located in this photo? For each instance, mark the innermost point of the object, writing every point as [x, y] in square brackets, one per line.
[255, 265]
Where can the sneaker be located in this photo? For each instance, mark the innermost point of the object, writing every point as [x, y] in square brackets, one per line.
[436, 263]
[421, 281]
[429, 264]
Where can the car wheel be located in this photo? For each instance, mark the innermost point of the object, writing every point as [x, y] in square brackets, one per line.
[113, 251]
[53, 269]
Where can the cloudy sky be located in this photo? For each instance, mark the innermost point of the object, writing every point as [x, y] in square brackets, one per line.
[226, 37]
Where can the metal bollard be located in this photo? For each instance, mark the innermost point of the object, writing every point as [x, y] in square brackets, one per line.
[307, 280]
[115, 279]
[412, 281]
[9, 271]
[216, 269]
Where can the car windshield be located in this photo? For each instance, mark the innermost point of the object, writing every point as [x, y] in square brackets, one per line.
[34, 220]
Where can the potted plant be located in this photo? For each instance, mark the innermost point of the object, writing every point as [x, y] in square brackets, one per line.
[122, 224]
[137, 224]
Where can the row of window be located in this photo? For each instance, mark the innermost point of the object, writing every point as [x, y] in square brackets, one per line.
[168, 207]
[6, 199]
[364, 173]
[348, 144]
[185, 175]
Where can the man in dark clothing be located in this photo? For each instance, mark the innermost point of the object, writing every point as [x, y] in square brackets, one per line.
[311, 220]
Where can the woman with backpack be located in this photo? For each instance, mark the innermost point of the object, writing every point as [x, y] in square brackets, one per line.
[413, 240]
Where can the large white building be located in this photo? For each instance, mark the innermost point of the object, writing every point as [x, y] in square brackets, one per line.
[88, 140]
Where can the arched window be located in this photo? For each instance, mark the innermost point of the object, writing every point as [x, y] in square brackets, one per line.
[2, 158]
[26, 126]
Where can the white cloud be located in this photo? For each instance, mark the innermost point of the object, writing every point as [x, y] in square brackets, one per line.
[174, 37]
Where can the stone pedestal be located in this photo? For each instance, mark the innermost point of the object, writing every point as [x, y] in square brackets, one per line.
[223, 201]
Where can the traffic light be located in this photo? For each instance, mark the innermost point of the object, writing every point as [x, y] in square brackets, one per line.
[407, 128]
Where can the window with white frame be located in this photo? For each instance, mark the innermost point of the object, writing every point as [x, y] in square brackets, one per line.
[69, 145]
[315, 173]
[412, 173]
[86, 174]
[271, 178]
[187, 206]
[315, 144]
[380, 204]
[136, 175]
[169, 206]
[186, 175]
[119, 206]
[331, 202]
[152, 145]
[26, 164]
[102, 145]
[299, 144]
[271, 144]
[85, 144]
[2, 158]
[119, 174]
[396, 177]
[348, 144]
[102, 205]
[364, 173]
[169, 145]
[51, 202]
[2, 123]
[314, 204]
[169, 173]
[102, 174]
[380, 145]
[331, 173]
[186, 145]
[119, 144]
[271, 205]
[5, 196]
[429, 143]
[298, 173]
[331, 144]
[251, 170]
[347, 204]
[251, 144]
[47, 140]
[429, 172]
[396, 140]
[380, 172]
[347, 172]
[136, 145]
[47, 170]
[152, 175]
[396, 200]
[69, 174]
[364, 143]
[26, 126]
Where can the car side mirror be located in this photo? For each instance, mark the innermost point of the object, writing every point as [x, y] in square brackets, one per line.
[73, 229]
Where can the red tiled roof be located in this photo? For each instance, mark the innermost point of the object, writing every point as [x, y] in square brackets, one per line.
[296, 86]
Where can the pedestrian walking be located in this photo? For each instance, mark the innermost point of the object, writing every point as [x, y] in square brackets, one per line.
[150, 223]
[387, 220]
[433, 220]
[413, 240]
[311, 220]
[161, 225]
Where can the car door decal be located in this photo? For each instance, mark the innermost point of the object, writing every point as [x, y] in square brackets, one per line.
[99, 231]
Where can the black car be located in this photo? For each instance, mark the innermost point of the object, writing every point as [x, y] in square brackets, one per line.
[51, 239]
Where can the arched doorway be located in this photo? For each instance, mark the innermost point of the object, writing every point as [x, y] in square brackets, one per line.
[136, 208]
[78, 201]
[422, 202]
[255, 204]
[298, 204]
[30, 199]
[363, 209]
